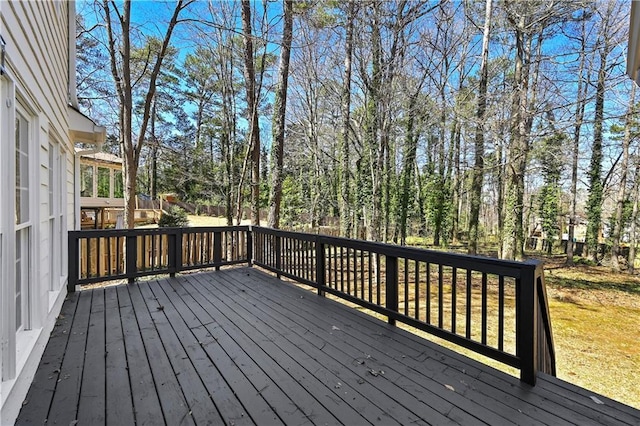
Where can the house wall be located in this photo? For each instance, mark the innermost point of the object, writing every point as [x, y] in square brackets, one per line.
[34, 91]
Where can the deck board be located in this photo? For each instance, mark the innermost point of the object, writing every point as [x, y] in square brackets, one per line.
[240, 347]
[118, 400]
[398, 379]
[91, 406]
[64, 406]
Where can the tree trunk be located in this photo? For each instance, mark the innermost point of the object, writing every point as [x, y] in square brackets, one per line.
[120, 59]
[252, 109]
[478, 169]
[408, 166]
[622, 188]
[280, 107]
[374, 145]
[594, 202]
[517, 152]
[581, 91]
[344, 204]
[634, 220]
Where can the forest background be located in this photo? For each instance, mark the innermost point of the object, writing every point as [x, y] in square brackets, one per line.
[468, 124]
[460, 121]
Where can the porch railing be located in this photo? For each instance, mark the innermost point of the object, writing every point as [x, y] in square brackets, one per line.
[493, 307]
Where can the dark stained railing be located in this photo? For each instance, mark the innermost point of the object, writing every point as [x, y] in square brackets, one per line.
[496, 308]
[103, 255]
[493, 307]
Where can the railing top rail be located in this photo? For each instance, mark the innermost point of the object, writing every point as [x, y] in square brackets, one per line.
[462, 261]
[98, 233]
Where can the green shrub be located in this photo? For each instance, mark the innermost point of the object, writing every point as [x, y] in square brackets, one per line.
[579, 260]
[173, 217]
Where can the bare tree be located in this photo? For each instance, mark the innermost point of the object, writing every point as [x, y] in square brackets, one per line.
[131, 141]
[622, 188]
[252, 111]
[280, 107]
[478, 169]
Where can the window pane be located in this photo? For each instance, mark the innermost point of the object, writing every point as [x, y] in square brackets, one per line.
[86, 181]
[103, 182]
[51, 178]
[118, 185]
[22, 170]
[18, 288]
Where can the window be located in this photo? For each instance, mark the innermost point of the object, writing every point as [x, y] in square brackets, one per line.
[104, 184]
[56, 203]
[118, 184]
[86, 180]
[62, 213]
[22, 222]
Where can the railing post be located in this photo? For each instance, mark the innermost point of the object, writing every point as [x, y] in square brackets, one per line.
[527, 333]
[321, 266]
[217, 249]
[171, 253]
[175, 251]
[391, 286]
[73, 261]
[249, 247]
[278, 255]
[178, 250]
[131, 247]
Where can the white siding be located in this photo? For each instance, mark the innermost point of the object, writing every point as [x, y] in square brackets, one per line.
[37, 62]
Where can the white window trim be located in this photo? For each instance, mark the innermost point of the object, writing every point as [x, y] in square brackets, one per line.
[7, 307]
[13, 342]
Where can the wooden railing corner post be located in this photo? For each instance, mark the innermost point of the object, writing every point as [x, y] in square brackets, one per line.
[249, 247]
[391, 286]
[321, 266]
[278, 243]
[171, 254]
[179, 238]
[217, 249]
[73, 261]
[131, 248]
[527, 327]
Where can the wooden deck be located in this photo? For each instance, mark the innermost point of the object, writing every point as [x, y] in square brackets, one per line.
[238, 346]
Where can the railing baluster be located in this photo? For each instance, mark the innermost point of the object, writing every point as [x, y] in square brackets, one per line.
[88, 257]
[362, 276]
[501, 312]
[391, 286]
[454, 303]
[416, 270]
[484, 308]
[98, 256]
[370, 278]
[406, 286]
[355, 273]
[320, 267]
[440, 291]
[378, 280]
[428, 295]
[341, 270]
[278, 255]
[468, 307]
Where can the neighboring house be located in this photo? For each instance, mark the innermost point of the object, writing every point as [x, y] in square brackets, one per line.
[39, 125]
[101, 189]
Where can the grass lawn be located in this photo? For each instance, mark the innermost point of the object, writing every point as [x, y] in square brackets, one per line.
[596, 324]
